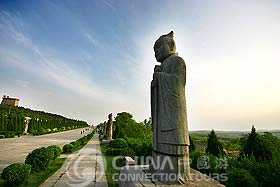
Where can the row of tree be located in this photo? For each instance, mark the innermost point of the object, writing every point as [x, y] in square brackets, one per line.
[258, 163]
[13, 119]
[11, 122]
[261, 147]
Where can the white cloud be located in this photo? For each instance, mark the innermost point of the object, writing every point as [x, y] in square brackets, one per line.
[84, 96]
[90, 38]
[232, 61]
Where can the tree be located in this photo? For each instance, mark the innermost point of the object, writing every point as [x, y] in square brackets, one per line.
[258, 146]
[192, 146]
[126, 127]
[214, 147]
[122, 122]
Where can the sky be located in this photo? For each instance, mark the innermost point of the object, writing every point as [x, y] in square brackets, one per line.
[86, 59]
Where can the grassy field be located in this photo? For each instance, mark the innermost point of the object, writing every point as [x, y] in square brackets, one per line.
[233, 134]
[230, 143]
[38, 178]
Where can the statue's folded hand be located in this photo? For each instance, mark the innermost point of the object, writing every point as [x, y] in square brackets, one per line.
[154, 83]
[156, 75]
[157, 68]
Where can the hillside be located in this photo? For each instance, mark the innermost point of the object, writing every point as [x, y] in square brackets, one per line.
[234, 134]
[12, 120]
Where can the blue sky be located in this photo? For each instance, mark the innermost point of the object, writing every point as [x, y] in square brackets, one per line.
[85, 59]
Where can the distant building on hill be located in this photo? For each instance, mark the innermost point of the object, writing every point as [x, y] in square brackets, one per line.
[6, 100]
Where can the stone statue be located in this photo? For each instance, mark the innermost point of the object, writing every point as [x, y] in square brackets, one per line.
[169, 116]
[104, 128]
[109, 127]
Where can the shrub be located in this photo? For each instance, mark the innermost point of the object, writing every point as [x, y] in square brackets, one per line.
[68, 148]
[194, 158]
[54, 151]
[113, 151]
[147, 148]
[265, 173]
[75, 144]
[140, 147]
[240, 177]
[39, 159]
[18, 134]
[127, 152]
[16, 173]
[136, 145]
[83, 140]
[9, 134]
[118, 143]
[120, 152]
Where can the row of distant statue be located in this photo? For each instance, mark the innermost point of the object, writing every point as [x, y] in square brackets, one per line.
[106, 128]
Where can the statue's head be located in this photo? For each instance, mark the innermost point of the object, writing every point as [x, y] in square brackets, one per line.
[164, 47]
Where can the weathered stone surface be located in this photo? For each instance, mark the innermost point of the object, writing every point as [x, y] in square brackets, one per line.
[26, 124]
[106, 142]
[168, 108]
[140, 176]
[109, 128]
[129, 161]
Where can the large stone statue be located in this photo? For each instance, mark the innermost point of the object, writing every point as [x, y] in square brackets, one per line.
[169, 116]
[109, 127]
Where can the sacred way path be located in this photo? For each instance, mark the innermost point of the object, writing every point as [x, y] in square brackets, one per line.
[85, 168]
[14, 150]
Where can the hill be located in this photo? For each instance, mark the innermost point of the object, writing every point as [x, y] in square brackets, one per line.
[234, 134]
[12, 121]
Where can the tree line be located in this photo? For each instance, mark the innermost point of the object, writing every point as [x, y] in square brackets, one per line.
[252, 160]
[12, 119]
[257, 164]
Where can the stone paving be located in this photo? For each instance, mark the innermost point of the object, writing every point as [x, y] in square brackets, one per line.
[83, 168]
[14, 150]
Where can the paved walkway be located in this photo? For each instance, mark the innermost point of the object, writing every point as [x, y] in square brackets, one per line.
[14, 150]
[83, 168]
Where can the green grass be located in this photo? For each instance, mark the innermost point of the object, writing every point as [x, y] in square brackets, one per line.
[230, 144]
[2, 182]
[110, 171]
[38, 178]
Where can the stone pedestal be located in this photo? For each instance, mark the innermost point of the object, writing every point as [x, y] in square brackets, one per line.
[139, 176]
[106, 142]
[176, 165]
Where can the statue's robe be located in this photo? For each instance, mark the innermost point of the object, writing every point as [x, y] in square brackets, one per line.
[168, 105]
[109, 128]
